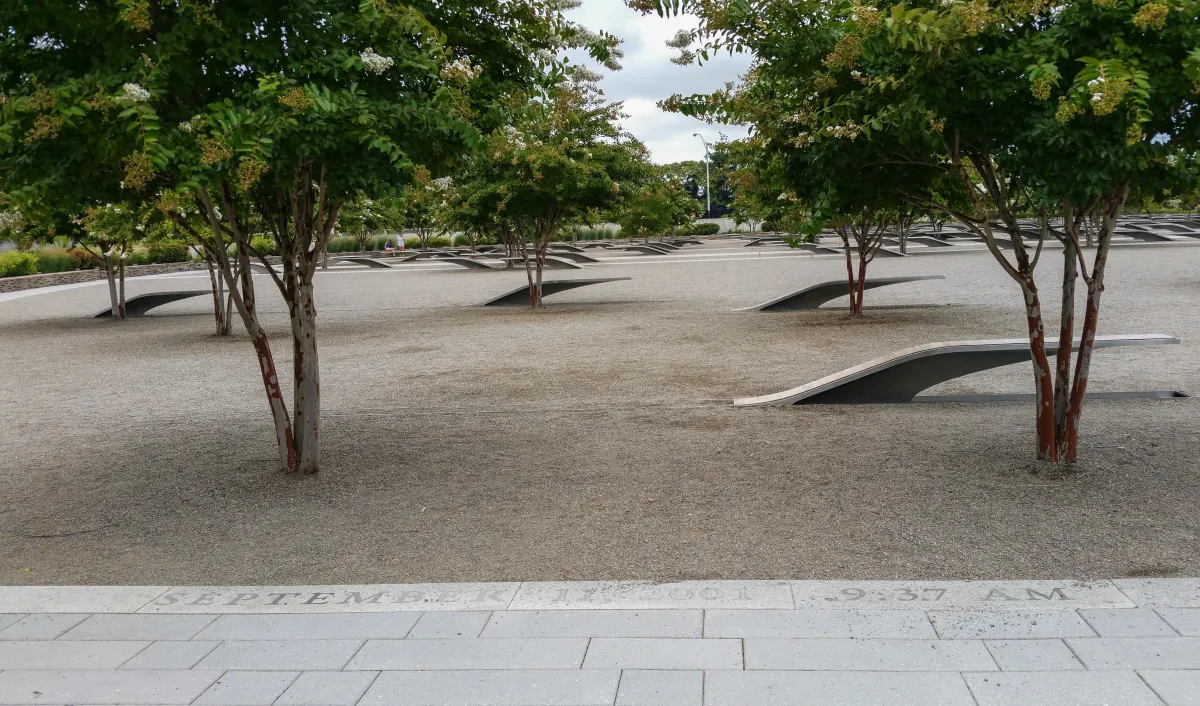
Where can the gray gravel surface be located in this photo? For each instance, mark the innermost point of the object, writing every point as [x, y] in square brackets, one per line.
[593, 439]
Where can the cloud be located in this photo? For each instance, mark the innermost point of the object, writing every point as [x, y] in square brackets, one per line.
[649, 76]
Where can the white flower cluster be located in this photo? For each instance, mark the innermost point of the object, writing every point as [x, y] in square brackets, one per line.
[1096, 86]
[848, 130]
[134, 93]
[1172, 160]
[460, 71]
[856, 74]
[375, 63]
[190, 126]
[802, 140]
[515, 137]
[10, 220]
[563, 5]
[442, 183]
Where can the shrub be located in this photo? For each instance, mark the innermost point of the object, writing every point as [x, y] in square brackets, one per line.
[54, 260]
[264, 245]
[704, 229]
[84, 260]
[596, 234]
[15, 263]
[158, 253]
[342, 243]
[436, 241]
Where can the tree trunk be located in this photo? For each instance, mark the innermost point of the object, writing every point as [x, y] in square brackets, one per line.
[849, 270]
[860, 287]
[111, 273]
[1043, 382]
[1091, 319]
[121, 278]
[279, 412]
[1066, 336]
[307, 380]
[220, 306]
[540, 253]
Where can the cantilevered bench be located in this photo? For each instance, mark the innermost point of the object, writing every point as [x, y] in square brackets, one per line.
[899, 377]
[818, 249]
[816, 295]
[551, 262]
[471, 263]
[573, 256]
[368, 261]
[520, 295]
[643, 249]
[565, 246]
[1142, 235]
[930, 241]
[139, 305]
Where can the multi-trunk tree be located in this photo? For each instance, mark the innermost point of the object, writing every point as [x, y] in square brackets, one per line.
[565, 159]
[1011, 108]
[264, 110]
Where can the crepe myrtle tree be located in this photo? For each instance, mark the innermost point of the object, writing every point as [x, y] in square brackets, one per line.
[656, 208]
[276, 110]
[109, 232]
[565, 159]
[1063, 111]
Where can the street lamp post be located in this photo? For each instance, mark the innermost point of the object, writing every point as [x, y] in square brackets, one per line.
[707, 178]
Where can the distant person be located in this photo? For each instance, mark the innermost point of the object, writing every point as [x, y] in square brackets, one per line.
[400, 244]
[387, 245]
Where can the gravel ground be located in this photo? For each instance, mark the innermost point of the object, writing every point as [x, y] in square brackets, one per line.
[591, 440]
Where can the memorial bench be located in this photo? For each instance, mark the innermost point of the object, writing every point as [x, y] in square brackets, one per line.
[520, 295]
[140, 304]
[901, 376]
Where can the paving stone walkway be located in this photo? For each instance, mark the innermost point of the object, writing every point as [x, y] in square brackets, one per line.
[721, 643]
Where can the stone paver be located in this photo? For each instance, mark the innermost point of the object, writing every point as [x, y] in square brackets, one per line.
[1186, 621]
[327, 689]
[858, 688]
[281, 654]
[868, 655]
[1127, 622]
[881, 624]
[694, 643]
[1138, 652]
[663, 653]
[173, 654]
[66, 655]
[660, 688]
[1177, 688]
[247, 689]
[1033, 655]
[42, 626]
[310, 627]
[596, 623]
[1061, 689]
[104, 687]
[1008, 624]
[495, 688]
[498, 653]
[139, 627]
[449, 624]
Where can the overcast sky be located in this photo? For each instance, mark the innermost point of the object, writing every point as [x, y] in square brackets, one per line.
[649, 76]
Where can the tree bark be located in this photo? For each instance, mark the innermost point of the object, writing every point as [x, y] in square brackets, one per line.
[1066, 335]
[1091, 319]
[1043, 382]
[121, 278]
[307, 380]
[110, 273]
